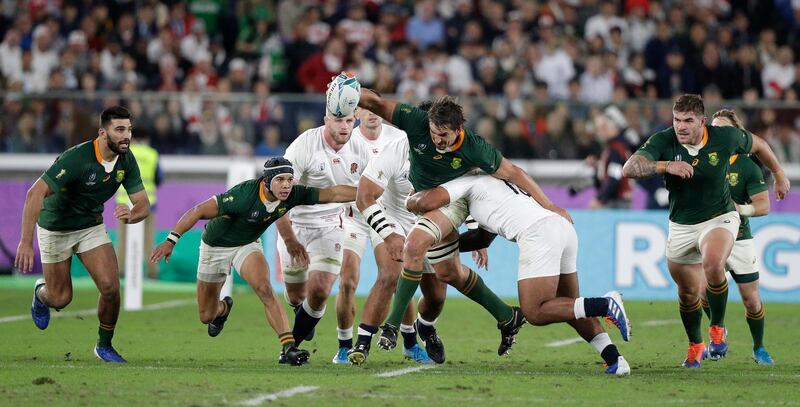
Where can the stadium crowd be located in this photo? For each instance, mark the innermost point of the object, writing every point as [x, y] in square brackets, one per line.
[532, 74]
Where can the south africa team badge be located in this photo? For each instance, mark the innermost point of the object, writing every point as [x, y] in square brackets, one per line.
[733, 178]
[456, 163]
[120, 175]
[713, 159]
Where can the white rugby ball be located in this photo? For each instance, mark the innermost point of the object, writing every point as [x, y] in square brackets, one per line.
[343, 95]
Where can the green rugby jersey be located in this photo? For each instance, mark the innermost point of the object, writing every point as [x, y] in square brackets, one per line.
[430, 168]
[745, 179]
[243, 214]
[81, 185]
[706, 195]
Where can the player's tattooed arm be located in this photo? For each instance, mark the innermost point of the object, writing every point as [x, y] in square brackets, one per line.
[639, 167]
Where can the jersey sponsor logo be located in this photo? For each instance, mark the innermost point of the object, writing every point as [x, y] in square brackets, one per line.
[106, 178]
[254, 216]
[695, 162]
[456, 163]
[733, 178]
[353, 236]
[227, 199]
[337, 247]
[419, 147]
[337, 161]
[713, 159]
[92, 177]
[267, 218]
[281, 211]
[437, 157]
[61, 173]
[375, 151]
[120, 175]
[380, 174]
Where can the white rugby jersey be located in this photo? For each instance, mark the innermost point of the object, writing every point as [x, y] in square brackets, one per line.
[499, 206]
[388, 134]
[316, 164]
[389, 169]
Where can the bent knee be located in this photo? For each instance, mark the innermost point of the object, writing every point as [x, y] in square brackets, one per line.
[59, 301]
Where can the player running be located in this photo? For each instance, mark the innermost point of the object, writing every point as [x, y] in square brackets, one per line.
[382, 192]
[67, 200]
[442, 149]
[750, 193]
[694, 160]
[376, 135]
[548, 248]
[239, 217]
[310, 246]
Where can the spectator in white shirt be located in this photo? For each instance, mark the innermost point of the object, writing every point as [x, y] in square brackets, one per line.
[11, 55]
[597, 85]
[778, 74]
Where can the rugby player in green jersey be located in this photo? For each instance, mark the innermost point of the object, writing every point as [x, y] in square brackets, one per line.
[750, 193]
[238, 218]
[66, 206]
[694, 160]
[442, 149]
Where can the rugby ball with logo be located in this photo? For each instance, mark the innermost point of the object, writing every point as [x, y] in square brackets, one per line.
[343, 95]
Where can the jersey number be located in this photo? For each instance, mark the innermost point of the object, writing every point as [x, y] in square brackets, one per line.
[516, 189]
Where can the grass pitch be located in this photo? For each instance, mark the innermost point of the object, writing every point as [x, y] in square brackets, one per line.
[172, 361]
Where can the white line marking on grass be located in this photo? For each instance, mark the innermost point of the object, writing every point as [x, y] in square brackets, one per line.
[661, 322]
[274, 396]
[393, 373]
[564, 342]
[93, 311]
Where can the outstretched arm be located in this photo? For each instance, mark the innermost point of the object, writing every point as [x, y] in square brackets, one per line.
[30, 212]
[759, 205]
[339, 193]
[764, 153]
[208, 209]
[640, 167]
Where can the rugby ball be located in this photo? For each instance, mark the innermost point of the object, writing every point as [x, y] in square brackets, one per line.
[343, 95]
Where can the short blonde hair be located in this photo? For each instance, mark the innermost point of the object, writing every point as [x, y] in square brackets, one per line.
[729, 115]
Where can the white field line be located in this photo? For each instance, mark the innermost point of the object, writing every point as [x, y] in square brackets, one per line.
[274, 396]
[564, 342]
[394, 373]
[93, 311]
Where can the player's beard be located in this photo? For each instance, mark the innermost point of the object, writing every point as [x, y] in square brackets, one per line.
[115, 147]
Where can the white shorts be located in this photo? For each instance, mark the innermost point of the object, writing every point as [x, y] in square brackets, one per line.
[548, 248]
[742, 260]
[324, 247]
[356, 233]
[683, 241]
[216, 262]
[56, 247]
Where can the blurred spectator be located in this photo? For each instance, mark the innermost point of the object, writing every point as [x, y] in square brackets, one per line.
[196, 42]
[746, 74]
[24, 138]
[11, 55]
[316, 71]
[601, 23]
[613, 190]
[270, 145]
[597, 84]
[424, 27]
[779, 74]
[674, 76]
[207, 11]
[552, 64]
[785, 142]
[355, 28]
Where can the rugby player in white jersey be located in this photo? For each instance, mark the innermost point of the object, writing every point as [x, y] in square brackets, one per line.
[548, 246]
[310, 246]
[375, 134]
[382, 192]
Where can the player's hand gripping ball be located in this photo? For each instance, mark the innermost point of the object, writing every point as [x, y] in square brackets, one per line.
[343, 95]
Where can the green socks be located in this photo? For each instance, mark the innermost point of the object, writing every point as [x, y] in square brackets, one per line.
[756, 324]
[692, 317]
[717, 301]
[476, 290]
[105, 333]
[406, 287]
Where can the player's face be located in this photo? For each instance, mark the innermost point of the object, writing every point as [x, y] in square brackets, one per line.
[688, 127]
[721, 121]
[442, 136]
[340, 128]
[282, 186]
[118, 135]
[371, 120]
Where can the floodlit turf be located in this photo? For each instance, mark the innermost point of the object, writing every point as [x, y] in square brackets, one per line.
[172, 361]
